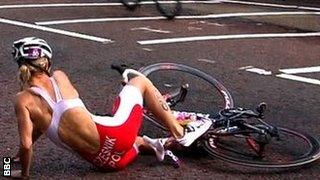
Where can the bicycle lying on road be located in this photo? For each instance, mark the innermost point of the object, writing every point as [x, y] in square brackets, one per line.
[168, 9]
[237, 135]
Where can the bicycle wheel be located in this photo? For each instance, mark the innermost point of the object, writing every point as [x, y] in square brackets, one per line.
[205, 94]
[289, 150]
[169, 9]
[130, 4]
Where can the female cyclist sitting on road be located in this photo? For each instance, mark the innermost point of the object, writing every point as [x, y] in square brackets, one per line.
[50, 104]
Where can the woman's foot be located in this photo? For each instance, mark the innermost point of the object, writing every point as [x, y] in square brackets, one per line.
[157, 145]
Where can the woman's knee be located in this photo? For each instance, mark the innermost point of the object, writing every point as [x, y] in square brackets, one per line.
[140, 82]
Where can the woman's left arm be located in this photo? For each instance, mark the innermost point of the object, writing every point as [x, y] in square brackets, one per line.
[25, 127]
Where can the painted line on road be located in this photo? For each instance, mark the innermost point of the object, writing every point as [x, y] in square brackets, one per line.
[256, 70]
[17, 6]
[288, 73]
[301, 70]
[207, 61]
[20, 6]
[95, 20]
[191, 28]
[273, 5]
[225, 37]
[245, 67]
[299, 78]
[151, 30]
[209, 16]
[147, 49]
[150, 2]
[259, 71]
[57, 31]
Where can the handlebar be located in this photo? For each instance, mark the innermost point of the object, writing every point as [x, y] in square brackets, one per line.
[238, 112]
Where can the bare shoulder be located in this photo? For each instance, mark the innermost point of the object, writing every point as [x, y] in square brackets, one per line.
[61, 77]
[66, 87]
[57, 74]
[22, 98]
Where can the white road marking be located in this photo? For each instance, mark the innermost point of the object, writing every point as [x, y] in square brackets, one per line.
[150, 2]
[20, 6]
[151, 30]
[72, 21]
[301, 70]
[209, 16]
[216, 24]
[224, 37]
[245, 67]
[299, 78]
[207, 60]
[207, 23]
[95, 4]
[191, 28]
[57, 31]
[147, 49]
[309, 8]
[197, 22]
[288, 73]
[259, 71]
[273, 5]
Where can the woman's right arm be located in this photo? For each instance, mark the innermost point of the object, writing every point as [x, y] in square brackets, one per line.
[35, 137]
[25, 127]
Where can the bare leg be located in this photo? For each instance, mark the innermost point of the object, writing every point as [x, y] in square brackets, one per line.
[158, 106]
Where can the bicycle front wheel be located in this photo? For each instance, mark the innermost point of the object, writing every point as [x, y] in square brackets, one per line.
[169, 8]
[205, 94]
[290, 149]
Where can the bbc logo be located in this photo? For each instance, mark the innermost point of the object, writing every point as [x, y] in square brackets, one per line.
[6, 167]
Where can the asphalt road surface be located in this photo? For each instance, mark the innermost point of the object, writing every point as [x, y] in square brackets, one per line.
[262, 51]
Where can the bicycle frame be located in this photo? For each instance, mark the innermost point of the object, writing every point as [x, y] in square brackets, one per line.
[233, 123]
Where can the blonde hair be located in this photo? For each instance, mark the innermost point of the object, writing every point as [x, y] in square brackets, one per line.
[26, 71]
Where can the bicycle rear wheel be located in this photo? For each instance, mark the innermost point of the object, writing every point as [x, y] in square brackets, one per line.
[205, 94]
[290, 150]
[130, 4]
[169, 8]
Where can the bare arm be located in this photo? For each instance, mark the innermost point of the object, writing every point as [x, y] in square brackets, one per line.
[25, 127]
[35, 137]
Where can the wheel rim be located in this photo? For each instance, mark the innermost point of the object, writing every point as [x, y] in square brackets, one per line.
[303, 149]
[191, 99]
[216, 87]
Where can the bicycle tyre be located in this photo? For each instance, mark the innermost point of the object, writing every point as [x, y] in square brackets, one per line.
[130, 4]
[223, 92]
[169, 12]
[310, 156]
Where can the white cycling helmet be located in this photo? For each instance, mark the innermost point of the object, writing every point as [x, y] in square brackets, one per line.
[30, 48]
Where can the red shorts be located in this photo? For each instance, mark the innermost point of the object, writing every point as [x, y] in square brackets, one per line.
[118, 133]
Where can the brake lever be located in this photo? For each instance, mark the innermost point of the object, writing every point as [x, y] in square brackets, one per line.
[261, 108]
